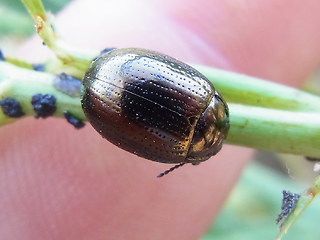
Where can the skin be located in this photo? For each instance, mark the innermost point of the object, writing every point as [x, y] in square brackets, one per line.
[59, 183]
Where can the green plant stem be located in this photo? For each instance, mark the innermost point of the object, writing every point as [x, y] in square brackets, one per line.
[275, 130]
[295, 132]
[21, 84]
[79, 60]
[239, 88]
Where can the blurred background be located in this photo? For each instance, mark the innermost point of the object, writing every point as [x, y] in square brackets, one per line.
[255, 202]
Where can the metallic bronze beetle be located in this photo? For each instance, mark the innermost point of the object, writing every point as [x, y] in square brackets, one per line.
[154, 106]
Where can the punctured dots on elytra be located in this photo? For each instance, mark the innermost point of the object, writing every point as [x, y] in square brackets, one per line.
[154, 106]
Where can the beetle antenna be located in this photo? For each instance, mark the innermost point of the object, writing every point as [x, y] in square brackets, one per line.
[170, 170]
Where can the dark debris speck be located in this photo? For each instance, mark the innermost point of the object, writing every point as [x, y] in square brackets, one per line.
[72, 120]
[11, 108]
[103, 52]
[38, 67]
[1, 56]
[312, 159]
[106, 50]
[44, 105]
[289, 202]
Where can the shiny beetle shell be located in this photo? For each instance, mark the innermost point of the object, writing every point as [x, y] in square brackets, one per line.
[154, 106]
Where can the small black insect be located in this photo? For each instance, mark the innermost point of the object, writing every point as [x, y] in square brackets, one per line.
[289, 202]
[67, 84]
[154, 106]
[73, 121]
[11, 107]
[1, 56]
[38, 67]
[44, 105]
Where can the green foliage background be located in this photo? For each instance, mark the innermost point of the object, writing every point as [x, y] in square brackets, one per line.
[255, 203]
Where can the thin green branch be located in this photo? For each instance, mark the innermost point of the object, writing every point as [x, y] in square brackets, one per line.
[35, 8]
[21, 84]
[294, 132]
[275, 130]
[79, 60]
[239, 88]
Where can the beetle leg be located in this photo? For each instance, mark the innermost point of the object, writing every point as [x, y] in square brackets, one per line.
[170, 169]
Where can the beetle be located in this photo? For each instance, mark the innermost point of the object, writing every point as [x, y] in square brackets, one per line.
[154, 106]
